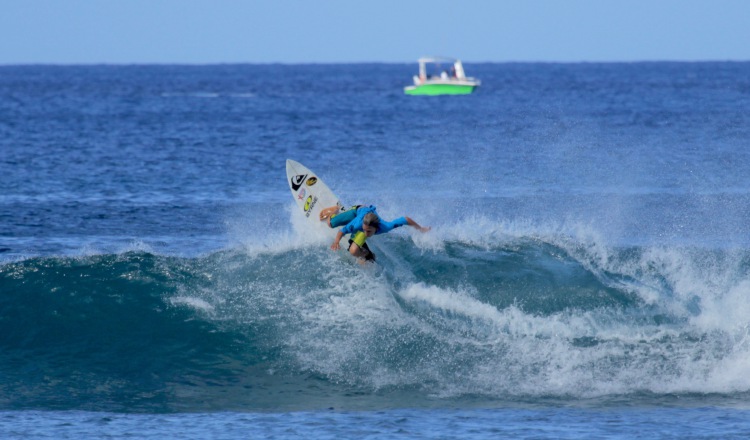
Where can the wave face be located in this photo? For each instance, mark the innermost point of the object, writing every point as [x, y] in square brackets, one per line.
[443, 320]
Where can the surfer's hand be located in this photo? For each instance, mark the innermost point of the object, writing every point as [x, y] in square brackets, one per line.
[335, 246]
[411, 222]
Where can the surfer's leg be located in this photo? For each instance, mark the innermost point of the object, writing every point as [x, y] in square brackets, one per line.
[357, 251]
[358, 248]
[362, 253]
[370, 254]
[343, 218]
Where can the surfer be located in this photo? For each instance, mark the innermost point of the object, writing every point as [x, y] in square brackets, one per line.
[362, 222]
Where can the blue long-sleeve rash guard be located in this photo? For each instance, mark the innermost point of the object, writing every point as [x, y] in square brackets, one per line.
[356, 224]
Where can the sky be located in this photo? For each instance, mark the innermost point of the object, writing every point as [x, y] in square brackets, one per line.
[346, 31]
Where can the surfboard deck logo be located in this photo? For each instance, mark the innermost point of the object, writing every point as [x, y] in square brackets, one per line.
[310, 204]
[297, 181]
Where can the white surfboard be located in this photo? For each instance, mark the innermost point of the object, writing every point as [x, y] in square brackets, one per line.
[311, 193]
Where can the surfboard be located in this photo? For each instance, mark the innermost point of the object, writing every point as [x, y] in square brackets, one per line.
[311, 194]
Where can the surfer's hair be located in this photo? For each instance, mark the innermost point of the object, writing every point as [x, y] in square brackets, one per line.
[371, 220]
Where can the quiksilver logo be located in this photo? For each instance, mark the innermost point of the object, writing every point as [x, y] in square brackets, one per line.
[297, 181]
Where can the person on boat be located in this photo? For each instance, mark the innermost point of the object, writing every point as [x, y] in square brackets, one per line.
[362, 222]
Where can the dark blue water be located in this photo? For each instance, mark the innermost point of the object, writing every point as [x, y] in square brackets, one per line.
[588, 270]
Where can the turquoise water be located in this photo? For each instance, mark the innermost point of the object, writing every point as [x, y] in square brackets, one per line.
[586, 274]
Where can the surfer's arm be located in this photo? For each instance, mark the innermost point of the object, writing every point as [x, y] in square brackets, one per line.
[414, 224]
[335, 246]
[401, 221]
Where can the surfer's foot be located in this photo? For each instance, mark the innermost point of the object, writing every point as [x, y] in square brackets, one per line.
[328, 212]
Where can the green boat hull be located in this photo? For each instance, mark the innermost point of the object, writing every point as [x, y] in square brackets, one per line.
[440, 89]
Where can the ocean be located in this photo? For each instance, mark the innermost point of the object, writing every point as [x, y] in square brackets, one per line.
[587, 274]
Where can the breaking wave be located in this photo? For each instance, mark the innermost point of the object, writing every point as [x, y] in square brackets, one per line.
[446, 316]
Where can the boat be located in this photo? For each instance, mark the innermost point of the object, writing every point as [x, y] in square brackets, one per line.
[441, 82]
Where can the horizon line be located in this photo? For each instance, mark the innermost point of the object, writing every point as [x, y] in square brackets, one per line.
[308, 63]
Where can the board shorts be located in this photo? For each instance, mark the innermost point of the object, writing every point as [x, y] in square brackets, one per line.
[343, 218]
[359, 239]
